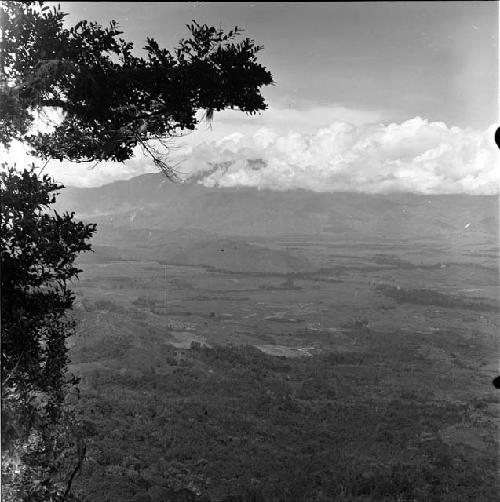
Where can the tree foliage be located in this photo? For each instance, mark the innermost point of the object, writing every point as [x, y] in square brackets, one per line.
[112, 99]
[38, 248]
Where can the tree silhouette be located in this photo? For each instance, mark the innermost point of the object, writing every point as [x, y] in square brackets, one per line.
[111, 99]
[38, 248]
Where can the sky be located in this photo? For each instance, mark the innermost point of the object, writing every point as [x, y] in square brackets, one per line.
[368, 96]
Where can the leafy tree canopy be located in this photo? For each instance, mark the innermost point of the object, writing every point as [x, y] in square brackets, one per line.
[37, 254]
[38, 249]
[113, 100]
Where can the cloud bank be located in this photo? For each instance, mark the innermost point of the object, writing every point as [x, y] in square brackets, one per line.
[351, 154]
[412, 156]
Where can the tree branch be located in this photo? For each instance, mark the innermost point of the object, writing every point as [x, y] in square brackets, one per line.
[78, 466]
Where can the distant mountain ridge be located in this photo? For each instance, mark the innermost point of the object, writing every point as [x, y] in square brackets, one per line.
[152, 202]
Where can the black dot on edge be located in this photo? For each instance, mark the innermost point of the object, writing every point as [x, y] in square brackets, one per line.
[496, 382]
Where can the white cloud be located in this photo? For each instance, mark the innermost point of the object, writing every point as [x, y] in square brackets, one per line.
[285, 151]
[78, 174]
[223, 127]
[413, 156]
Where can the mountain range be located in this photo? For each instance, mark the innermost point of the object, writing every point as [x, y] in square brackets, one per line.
[151, 201]
[153, 218]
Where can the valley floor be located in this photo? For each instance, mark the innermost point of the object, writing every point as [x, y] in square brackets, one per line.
[368, 378]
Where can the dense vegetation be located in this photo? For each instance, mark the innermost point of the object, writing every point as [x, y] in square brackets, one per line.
[38, 249]
[231, 423]
[436, 298]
